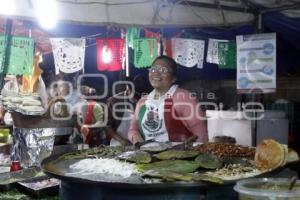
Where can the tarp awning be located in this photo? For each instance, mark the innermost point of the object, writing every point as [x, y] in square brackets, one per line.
[146, 12]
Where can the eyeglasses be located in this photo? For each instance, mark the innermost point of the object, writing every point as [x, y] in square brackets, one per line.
[159, 69]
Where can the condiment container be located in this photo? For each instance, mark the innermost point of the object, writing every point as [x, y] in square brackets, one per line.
[15, 166]
[267, 189]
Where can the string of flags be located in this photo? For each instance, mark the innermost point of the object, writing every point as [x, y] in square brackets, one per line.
[252, 56]
[69, 53]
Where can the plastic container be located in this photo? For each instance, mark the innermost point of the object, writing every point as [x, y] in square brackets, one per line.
[4, 133]
[35, 188]
[15, 166]
[267, 189]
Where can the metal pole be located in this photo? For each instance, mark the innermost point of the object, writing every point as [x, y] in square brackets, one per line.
[127, 72]
[256, 97]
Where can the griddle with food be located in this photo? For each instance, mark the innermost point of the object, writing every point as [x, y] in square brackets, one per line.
[154, 166]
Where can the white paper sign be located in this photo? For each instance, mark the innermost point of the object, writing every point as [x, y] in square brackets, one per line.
[68, 54]
[256, 63]
[188, 52]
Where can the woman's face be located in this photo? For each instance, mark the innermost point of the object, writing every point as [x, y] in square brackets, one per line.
[160, 75]
[63, 88]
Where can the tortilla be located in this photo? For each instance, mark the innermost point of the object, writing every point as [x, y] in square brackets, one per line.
[269, 155]
[285, 148]
[292, 156]
[32, 108]
[16, 99]
[31, 102]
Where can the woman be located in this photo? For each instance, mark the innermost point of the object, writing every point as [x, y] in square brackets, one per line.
[91, 118]
[120, 112]
[168, 113]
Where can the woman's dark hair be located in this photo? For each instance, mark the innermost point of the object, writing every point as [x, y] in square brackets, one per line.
[138, 82]
[171, 62]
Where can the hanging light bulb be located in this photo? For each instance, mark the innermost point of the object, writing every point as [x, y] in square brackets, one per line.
[106, 54]
[7, 7]
[46, 13]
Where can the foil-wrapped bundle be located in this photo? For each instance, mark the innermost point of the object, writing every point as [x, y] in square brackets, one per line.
[32, 145]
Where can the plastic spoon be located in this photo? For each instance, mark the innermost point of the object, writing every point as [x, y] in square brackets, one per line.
[292, 182]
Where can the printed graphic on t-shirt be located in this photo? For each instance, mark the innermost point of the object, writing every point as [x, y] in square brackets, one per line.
[152, 122]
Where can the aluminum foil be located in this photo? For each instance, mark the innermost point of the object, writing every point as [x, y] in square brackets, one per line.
[31, 146]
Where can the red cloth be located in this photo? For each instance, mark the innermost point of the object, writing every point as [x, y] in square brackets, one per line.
[89, 113]
[168, 47]
[114, 48]
[150, 34]
[89, 120]
[175, 128]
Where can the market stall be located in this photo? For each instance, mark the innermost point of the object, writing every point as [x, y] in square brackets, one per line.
[211, 41]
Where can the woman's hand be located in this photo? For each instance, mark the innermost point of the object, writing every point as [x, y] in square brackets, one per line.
[84, 130]
[137, 138]
[123, 142]
[111, 133]
[2, 113]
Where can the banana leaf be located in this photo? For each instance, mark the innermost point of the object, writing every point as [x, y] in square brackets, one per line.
[136, 156]
[209, 161]
[177, 166]
[176, 154]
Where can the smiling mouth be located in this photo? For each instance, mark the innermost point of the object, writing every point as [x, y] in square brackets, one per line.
[156, 79]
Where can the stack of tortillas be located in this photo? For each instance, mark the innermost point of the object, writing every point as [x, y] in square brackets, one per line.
[270, 155]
